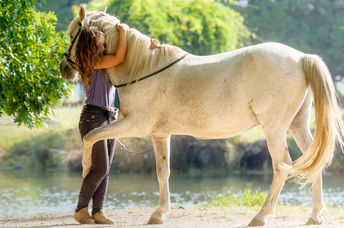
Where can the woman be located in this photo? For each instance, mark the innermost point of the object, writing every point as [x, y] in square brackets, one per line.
[98, 111]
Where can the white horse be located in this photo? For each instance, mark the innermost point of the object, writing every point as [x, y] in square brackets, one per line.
[220, 96]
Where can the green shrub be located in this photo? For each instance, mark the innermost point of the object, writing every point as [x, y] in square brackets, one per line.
[30, 51]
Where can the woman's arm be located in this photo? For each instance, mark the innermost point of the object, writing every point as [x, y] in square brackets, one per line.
[109, 61]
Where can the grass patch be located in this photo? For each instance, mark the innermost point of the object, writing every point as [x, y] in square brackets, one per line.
[61, 119]
[252, 135]
[248, 198]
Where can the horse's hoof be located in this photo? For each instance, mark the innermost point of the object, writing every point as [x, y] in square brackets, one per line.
[155, 220]
[257, 222]
[313, 221]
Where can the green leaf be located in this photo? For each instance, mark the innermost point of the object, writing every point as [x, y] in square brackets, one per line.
[30, 81]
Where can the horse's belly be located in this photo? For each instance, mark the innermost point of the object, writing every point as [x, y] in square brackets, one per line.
[225, 132]
[210, 124]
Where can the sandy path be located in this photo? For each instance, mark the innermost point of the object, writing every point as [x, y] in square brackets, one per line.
[184, 218]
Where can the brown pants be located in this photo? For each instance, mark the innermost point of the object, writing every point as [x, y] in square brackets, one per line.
[95, 184]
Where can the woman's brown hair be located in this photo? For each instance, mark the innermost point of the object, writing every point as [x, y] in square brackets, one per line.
[89, 52]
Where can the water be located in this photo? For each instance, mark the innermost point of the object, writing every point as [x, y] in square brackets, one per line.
[24, 193]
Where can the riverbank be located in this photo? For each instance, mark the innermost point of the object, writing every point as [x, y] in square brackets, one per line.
[187, 217]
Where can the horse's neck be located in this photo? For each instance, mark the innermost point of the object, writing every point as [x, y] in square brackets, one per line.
[141, 61]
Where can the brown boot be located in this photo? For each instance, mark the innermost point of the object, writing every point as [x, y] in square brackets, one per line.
[101, 218]
[83, 217]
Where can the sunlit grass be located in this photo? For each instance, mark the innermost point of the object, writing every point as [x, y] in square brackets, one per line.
[67, 117]
[248, 198]
[11, 134]
[252, 135]
[62, 118]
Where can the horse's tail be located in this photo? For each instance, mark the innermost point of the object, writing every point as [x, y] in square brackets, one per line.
[328, 120]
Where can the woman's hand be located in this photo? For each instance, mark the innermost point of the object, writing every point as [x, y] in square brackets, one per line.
[122, 27]
[154, 43]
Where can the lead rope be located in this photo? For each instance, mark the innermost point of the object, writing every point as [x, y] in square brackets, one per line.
[123, 147]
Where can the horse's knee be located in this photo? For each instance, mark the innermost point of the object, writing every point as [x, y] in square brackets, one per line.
[282, 169]
[163, 173]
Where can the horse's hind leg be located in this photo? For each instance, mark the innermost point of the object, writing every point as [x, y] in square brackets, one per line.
[162, 158]
[276, 140]
[300, 131]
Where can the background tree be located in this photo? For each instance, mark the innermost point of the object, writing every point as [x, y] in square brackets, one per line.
[197, 26]
[313, 26]
[30, 51]
[62, 9]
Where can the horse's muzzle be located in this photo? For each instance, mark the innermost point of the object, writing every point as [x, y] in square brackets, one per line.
[67, 72]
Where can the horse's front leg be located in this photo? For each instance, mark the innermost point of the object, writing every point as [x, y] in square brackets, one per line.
[162, 157]
[120, 129]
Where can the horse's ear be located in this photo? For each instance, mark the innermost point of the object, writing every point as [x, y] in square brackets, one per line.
[82, 13]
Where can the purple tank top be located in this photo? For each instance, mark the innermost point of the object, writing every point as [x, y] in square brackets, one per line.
[101, 92]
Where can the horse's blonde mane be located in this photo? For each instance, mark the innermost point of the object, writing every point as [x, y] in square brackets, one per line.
[140, 60]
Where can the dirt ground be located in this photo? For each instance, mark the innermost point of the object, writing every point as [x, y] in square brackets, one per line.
[184, 218]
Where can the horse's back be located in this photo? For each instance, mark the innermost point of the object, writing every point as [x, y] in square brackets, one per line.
[259, 71]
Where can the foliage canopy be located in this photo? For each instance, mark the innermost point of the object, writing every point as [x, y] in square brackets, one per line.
[198, 26]
[312, 26]
[30, 51]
